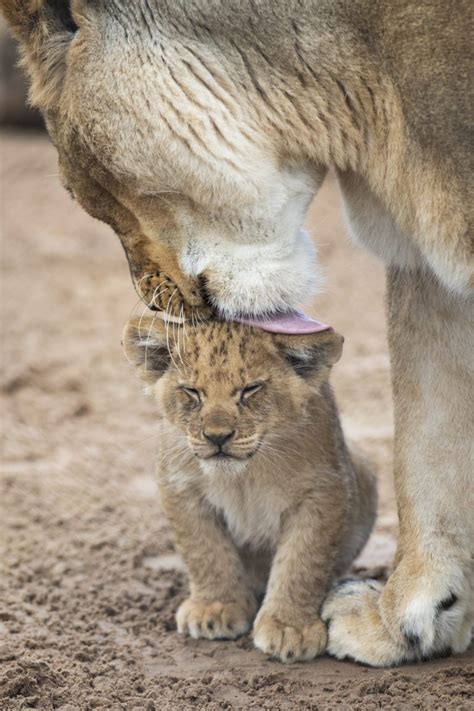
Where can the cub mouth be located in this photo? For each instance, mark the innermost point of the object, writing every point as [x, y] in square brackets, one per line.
[223, 456]
[227, 454]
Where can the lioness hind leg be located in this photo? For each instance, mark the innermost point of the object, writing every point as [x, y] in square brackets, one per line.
[426, 607]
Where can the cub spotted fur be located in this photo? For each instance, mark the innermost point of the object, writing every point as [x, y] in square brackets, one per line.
[261, 492]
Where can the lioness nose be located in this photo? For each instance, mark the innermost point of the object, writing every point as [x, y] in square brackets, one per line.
[219, 438]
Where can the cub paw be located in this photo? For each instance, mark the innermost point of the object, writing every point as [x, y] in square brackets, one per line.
[286, 642]
[213, 620]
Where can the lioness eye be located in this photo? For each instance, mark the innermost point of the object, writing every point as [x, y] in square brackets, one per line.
[249, 391]
[192, 393]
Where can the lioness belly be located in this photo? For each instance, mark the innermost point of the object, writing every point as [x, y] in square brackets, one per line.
[372, 226]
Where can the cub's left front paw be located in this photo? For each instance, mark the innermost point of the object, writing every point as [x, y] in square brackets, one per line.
[287, 642]
[213, 619]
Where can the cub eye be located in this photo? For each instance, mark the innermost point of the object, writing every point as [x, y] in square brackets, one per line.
[249, 391]
[192, 393]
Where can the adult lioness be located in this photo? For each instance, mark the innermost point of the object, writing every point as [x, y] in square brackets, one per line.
[201, 130]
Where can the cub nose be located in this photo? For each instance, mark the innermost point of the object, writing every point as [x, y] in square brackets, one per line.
[219, 438]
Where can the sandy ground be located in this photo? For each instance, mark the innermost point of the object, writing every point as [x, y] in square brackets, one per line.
[89, 580]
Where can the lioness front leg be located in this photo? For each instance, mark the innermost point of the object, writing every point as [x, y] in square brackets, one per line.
[221, 604]
[288, 625]
[427, 606]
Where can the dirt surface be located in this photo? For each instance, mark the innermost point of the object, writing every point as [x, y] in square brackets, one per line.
[90, 580]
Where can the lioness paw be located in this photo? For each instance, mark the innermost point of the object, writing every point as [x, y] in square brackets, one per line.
[213, 620]
[430, 610]
[355, 628]
[358, 629]
[287, 643]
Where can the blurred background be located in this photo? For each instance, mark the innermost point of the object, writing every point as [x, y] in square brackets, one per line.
[13, 89]
[92, 572]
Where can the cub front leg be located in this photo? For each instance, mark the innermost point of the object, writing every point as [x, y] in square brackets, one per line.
[221, 604]
[288, 625]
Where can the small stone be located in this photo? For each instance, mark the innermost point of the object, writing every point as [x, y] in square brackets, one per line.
[6, 653]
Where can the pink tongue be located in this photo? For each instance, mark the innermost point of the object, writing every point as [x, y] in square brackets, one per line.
[292, 323]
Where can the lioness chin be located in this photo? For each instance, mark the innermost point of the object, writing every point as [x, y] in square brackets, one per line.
[261, 492]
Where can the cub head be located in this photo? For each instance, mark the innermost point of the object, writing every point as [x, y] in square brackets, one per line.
[232, 390]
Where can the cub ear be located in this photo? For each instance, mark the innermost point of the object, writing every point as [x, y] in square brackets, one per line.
[310, 354]
[145, 345]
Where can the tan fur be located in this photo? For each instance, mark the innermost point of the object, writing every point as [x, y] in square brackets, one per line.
[201, 131]
[315, 94]
[286, 515]
[428, 604]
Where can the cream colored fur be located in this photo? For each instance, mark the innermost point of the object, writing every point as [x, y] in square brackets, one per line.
[285, 513]
[200, 131]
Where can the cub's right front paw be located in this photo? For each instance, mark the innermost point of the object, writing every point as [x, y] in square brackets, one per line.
[213, 619]
[287, 642]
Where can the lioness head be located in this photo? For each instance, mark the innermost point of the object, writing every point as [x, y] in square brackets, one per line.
[164, 131]
[231, 390]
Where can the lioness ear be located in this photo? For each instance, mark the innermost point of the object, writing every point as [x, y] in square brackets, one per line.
[44, 29]
[145, 345]
[312, 353]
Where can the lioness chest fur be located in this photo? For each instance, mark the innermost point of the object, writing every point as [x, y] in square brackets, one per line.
[260, 489]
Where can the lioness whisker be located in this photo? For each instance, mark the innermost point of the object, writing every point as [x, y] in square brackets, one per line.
[148, 340]
[167, 331]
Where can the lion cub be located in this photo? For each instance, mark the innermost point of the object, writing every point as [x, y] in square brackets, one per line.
[261, 492]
